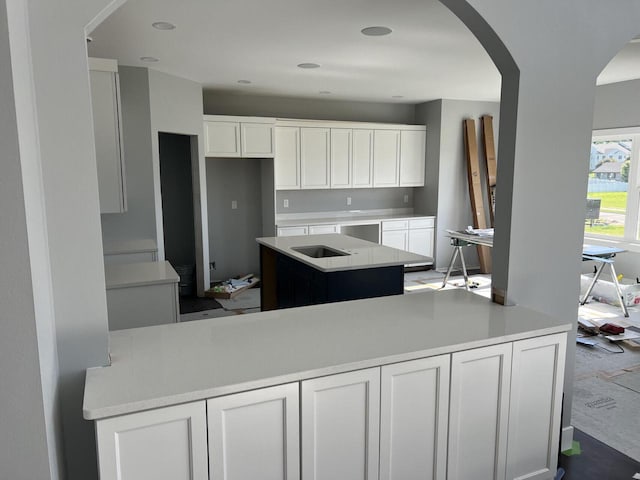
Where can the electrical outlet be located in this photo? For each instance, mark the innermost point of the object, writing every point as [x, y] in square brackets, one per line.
[234, 204]
[348, 200]
[406, 199]
[285, 203]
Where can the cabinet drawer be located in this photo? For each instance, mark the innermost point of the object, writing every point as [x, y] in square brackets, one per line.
[426, 222]
[291, 231]
[395, 225]
[321, 229]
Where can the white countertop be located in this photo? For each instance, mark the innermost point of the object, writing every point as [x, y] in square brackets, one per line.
[139, 245]
[362, 254]
[176, 363]
[137, 274]
[346, 219]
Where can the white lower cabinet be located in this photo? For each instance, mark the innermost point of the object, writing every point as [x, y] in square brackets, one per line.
[413, 419]
[340, 420]
[255, 435]
[478, 415]
[535, 407]
[163, 444]
[490, 413]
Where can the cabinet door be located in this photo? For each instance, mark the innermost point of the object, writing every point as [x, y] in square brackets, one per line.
[395, 239]
[421, 241]
[222, 139]
[340, 158]
[340, 426]
[535, 405]
[314, 157]
[478, 415]
[105, 103]
[293, 231]
[287, 159]
[362, 158]
[257, 140]
[386, 156]
[414, 411]
[412, 158]
[164, 444]
[255, 434]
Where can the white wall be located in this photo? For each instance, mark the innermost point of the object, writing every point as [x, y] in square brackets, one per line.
[223, 103]
[139, 221]
[176, 107]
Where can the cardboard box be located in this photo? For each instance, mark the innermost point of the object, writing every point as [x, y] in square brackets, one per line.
[605, 291]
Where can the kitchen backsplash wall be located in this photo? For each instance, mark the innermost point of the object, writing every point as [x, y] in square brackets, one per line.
[309, 201]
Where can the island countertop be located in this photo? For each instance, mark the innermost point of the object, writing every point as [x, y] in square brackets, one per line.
[170, 364]
[361, 253]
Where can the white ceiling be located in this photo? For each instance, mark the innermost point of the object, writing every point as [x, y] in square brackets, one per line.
[429, 55]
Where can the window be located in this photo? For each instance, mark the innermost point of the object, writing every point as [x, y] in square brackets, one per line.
[613, 196]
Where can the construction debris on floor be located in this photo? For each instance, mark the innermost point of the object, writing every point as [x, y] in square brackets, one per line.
[232, 287]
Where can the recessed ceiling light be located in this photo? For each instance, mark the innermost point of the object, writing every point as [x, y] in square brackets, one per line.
[163, 25]
[308, 65]
[244, 82]
[149, 59]
[376, 31]
[324, 92]
[398, 96]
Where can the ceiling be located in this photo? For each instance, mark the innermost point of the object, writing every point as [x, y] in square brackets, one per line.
[430, 54]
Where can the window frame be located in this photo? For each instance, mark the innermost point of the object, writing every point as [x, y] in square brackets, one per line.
[630, 239]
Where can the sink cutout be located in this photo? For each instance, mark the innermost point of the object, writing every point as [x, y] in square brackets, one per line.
[319, 251]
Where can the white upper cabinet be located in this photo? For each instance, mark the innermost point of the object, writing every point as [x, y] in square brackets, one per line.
[341, 158]
[412, 157]
[107, 127]
[231, 137]
[287, 159]
[222, 139]
[257, 140]
[362, 154]
[386, 158]
[314, 157]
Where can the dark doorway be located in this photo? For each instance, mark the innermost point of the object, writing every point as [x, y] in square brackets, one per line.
[177, 207]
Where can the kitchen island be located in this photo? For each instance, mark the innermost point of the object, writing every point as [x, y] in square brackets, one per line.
[311, 269]
[426, 385]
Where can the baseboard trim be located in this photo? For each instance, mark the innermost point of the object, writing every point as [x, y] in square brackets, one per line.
[566, 440]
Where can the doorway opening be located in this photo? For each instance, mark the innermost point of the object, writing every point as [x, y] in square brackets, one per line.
[176, 186]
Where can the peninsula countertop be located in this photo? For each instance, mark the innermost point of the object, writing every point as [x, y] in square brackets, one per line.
[361, 253]
[140, 273]
[170, 364]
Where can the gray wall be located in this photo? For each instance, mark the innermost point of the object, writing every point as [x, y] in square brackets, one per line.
[30, 442]
[176, 107]
[446, 171]
[233, 233]
[617, 105]
[223, 103]
[301, 201]
[139, 221]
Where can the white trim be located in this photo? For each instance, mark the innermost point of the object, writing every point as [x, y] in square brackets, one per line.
[566, 438]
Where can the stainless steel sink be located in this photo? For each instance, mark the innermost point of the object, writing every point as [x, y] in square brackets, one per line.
[319, 251]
